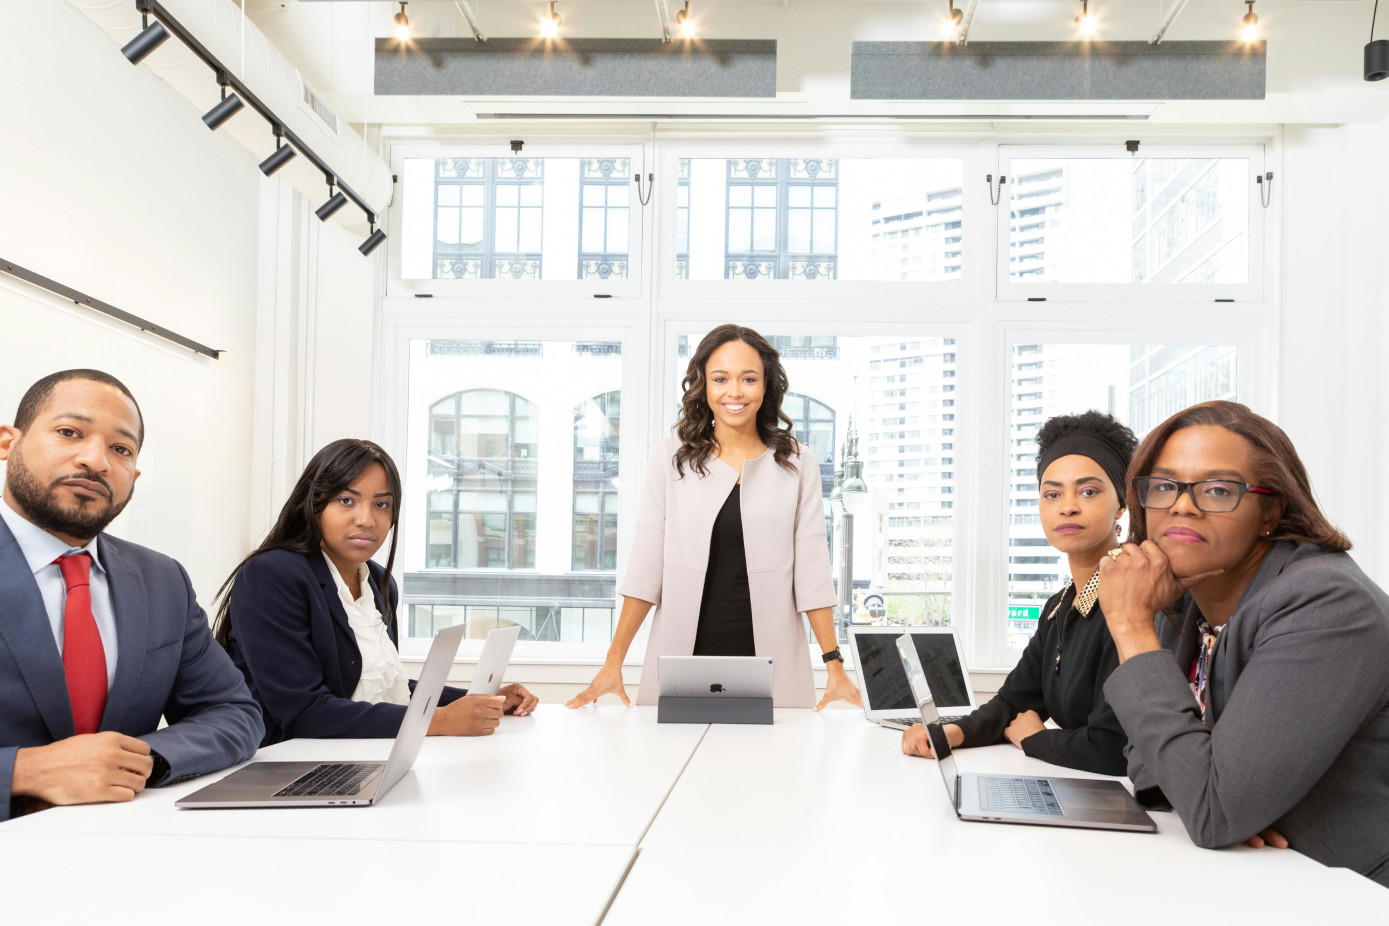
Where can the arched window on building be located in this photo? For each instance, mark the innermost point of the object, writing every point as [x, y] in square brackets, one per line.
[486, 442]
[595, 483]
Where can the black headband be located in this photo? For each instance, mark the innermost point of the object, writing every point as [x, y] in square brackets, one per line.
[1114, 463]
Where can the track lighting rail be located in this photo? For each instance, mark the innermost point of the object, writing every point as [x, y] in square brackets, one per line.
[81, 298]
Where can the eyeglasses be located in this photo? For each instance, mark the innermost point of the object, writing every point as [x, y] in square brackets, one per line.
[1211, 495]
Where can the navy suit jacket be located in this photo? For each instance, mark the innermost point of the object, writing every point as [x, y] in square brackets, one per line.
[168, 665]
[291, 640]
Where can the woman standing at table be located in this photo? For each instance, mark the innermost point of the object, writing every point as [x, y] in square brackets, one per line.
[1081, 462]
[308, 625]
[730, 544]
[1266, 717]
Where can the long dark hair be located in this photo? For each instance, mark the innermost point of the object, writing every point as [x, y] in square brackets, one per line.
[695, 426]
[1276, 466]
[330, 471]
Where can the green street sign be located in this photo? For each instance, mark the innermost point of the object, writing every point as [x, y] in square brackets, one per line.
[1024, 612]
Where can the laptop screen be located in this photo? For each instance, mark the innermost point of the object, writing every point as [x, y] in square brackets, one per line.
[885, 683]
[921, 692]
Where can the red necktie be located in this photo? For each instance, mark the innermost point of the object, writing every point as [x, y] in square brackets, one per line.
[84, 659]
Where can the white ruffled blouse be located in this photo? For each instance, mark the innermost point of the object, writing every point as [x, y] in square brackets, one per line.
[383, 677]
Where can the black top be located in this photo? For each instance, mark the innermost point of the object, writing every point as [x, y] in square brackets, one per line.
[725, 610]
[1090, 737]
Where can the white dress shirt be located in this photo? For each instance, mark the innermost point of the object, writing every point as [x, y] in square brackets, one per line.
[40, 549]
[383, 679]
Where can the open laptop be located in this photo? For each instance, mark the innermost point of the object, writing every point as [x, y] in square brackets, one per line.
[887, 697]
[715, 676]
[493, 660]
[1045, 800]
[339, 784]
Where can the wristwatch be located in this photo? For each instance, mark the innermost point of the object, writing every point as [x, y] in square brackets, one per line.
[160, 771]
[832, 655]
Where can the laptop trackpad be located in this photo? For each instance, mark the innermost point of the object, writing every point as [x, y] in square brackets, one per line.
[1078, 794]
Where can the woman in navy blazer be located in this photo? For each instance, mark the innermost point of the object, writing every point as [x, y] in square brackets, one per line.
[286, 626]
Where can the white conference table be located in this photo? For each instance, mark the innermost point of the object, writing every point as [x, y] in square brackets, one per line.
[822, 818]
[150, 880]
[818, 815]
[591, 777]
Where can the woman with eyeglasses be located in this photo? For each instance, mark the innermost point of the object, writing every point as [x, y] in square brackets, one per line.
[1081, 462]
[1260, 712]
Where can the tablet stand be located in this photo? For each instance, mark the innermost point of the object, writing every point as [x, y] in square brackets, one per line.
[713, 710]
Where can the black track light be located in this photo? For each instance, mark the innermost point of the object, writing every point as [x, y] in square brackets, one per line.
[229, 106]
[281, 156]
[1376, 53]
[151, 37]
[334, 203]
[373, 242]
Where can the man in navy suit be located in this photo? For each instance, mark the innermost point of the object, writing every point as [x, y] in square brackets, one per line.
[99, 637]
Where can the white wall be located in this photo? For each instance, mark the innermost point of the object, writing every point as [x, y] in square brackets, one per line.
[1334, 392]
[110, 184]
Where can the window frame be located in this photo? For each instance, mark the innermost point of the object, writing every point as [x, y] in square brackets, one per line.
[976, 274]
[984, 319]
[1251, 291]
[631, 286]
[403, 321]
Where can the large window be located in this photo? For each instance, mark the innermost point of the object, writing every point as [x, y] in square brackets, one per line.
[929, 327]
[1179, 220]
[519, 220]
[819, 219]
[513, 457]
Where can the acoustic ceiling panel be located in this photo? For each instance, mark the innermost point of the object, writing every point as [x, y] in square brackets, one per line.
[577, 67]
[1057, 71]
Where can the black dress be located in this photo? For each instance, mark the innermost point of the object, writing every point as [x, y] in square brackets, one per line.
[1070, 692]
[725, 610]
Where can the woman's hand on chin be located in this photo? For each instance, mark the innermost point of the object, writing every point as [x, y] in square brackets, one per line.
[1136, 582]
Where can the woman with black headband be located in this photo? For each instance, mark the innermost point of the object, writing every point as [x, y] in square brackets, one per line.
[1081, 464]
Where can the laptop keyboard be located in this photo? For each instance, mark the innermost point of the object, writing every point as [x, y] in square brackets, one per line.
[1019, 795]
[331, 780]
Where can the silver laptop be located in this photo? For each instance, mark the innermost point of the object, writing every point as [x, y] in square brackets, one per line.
[887, 697]
[339, 784]
[492, 662]
[715, 676]
[1045, 800]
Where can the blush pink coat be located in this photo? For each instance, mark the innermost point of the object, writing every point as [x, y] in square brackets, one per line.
[787, 556]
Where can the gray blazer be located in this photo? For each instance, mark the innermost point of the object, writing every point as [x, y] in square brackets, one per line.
[168, 665]
[787, 553]
[1297, 723]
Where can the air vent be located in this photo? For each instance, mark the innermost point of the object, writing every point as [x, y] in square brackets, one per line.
[319, 108]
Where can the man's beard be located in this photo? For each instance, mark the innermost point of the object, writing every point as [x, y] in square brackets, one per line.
[40, 506]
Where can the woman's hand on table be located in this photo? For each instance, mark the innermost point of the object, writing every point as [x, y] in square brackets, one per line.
[607, 681]
[519, 702]
[1267, 837]
[1022, 726]
[839, 687]
[472, 715]
[915, 741]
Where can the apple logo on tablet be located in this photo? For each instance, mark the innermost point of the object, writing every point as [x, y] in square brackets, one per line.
[716, 688]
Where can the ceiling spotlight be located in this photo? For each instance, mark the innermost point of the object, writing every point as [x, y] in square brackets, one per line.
[1251, 24]
[151, 37]
[549, 24]
[1085, 21]
[228, 107]
[952, 19]
[683, 20]
[1376, 53]
[373, 242]
[402, 25]
[334, 203]
[281, 156]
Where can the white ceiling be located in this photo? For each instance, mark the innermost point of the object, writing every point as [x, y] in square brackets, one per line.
[1315, 50]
